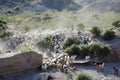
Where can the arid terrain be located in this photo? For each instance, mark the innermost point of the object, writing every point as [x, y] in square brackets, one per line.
[52, 28]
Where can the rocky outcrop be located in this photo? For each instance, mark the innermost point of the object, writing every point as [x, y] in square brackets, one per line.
[19, 62]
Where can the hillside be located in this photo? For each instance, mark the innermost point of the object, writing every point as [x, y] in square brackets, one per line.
[62, 31]
[39, 15]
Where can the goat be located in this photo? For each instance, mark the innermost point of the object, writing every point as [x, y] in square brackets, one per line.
[72, 58]
[44, 67]
[65, 68]
[59, 66]
[73, 69]
[100, 66]
[115, 70]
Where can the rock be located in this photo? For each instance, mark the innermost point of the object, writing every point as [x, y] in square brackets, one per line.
[19, 62]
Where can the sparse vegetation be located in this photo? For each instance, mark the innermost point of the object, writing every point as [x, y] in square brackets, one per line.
[45, 43]
[83, 76]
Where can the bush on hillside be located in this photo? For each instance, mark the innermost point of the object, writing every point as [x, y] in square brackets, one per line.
[83, 76]
[3, 26]
[105, 50]
[73, 50]
[100, 50]
[84, 50]
[116, 24]
[70, 41]
[96, 50]
[95, 31]
[108, 35]
[79, 50]
[16, 8]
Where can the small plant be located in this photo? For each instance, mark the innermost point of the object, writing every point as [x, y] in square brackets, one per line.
[16, 8]
[109, 34]
[70, 41]
[95, 31]
[83, 76]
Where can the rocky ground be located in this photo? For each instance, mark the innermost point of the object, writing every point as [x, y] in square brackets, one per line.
[108, 74]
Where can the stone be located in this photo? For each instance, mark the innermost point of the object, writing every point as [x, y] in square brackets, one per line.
[19, 63]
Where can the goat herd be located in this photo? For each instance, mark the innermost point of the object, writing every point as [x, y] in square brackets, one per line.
[59, 62]
[63, 63]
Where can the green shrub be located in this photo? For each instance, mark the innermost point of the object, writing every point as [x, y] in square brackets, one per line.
[3, 26]
[83, 76]
[16, 8]
[70, 41]
[84, 50]
[104, 51]
[108, 35]
[95, 31]
[96, 50]
[79, 50]
[100, 50]
[73, 50]
[116, 24]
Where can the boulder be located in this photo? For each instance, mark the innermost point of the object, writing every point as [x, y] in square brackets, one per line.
[19, 62]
